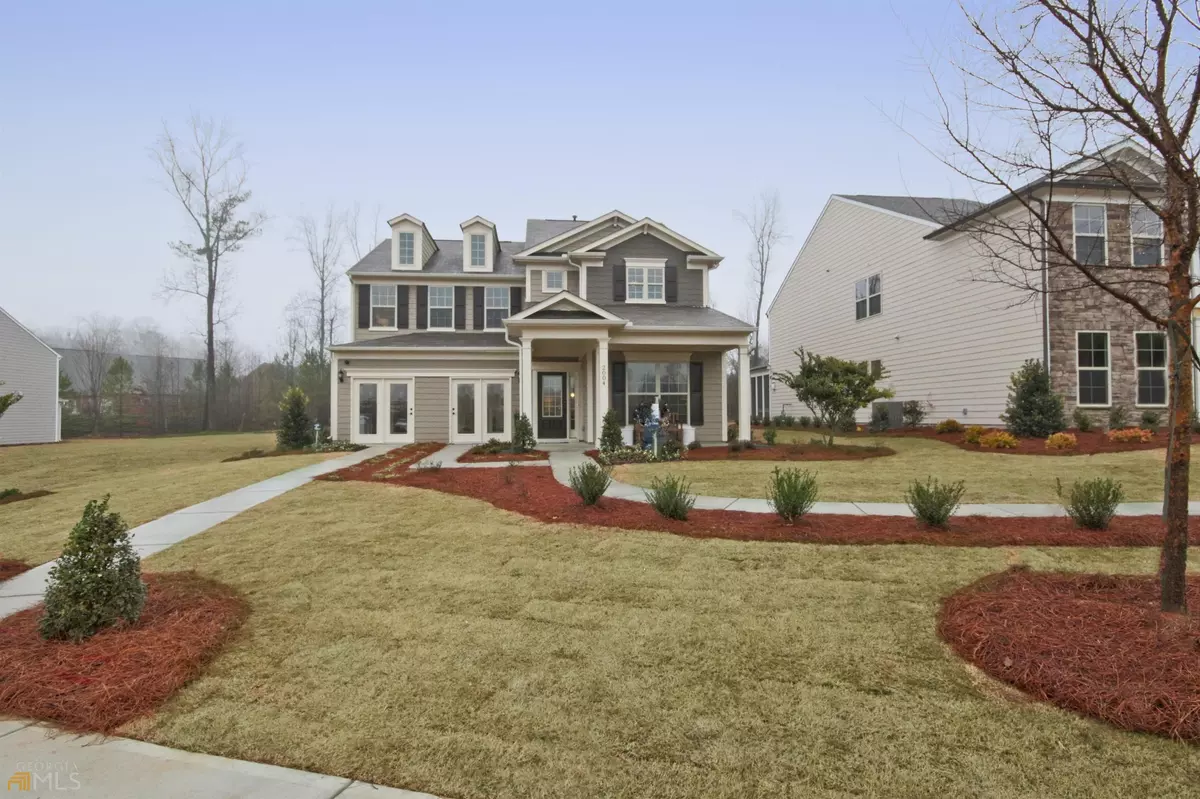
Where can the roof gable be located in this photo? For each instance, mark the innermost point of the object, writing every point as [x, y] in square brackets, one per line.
[656, 229]
[564, 302]
[553, 242]
[28, 332]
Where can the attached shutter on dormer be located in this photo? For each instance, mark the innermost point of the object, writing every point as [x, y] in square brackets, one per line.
[619, 283]
[460, 307]
[696, 391]
[422, 307]
[671, 280]
[364, 306]
[478, 304]
[402, 307]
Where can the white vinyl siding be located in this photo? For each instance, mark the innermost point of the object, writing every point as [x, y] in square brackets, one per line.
[948, 338]
[29, 367]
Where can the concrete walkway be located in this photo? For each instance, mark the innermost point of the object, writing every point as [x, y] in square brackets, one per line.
[563, 457]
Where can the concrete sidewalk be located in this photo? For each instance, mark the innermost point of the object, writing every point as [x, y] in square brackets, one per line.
[120, 768]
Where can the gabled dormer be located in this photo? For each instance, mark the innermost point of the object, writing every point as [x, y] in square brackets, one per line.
[481, 246]
[412, 246]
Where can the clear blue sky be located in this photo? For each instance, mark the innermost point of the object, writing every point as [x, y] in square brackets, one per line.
[680, 111]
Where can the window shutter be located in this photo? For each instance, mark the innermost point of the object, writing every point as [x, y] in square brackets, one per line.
[619, 283]
[696, 400]
[402, 307]
[480, 319]
[671, 279]
[460, 307]
[422, 307]
[515, 295]
[364, 306]
[617, 378]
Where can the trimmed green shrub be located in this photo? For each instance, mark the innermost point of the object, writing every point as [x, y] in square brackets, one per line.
[671, 496]
[1118, 417]
[769, 435]
[589, 480]
[805, 421]
[694, 445]
[792, 492]
[1151, 419]
[974, 433]
[1092, 503]
[1034, 409]
[934, 502]
[611, 437]
[949, 426]
[1083, 422]
[523, 440]
[913, 412]
[9, 492]
[97, 580]
[295, 430]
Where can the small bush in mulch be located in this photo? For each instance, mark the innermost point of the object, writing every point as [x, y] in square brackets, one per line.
[998, 439]
[948, 426]
[1094, 644]
[671, 496]
[251, 454]
[122, 672]
[1061, 441]
[813, 451]
[11, 568]
[589, 480]
[10, 495]
[1131, 434]
[1092, 503]
[934, 502]
[496, 451]
[792, 492]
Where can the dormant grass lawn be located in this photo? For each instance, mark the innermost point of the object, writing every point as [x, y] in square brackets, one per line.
[436, 643]
[147, 477]
[990, 477]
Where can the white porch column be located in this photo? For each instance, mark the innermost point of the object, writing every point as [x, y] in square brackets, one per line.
[601, 383]
[526, 378]
[744, 432]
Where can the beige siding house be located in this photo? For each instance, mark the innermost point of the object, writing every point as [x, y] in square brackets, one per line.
[29, 367]
[455, 337]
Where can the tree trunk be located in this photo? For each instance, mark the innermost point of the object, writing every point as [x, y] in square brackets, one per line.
[210, 355]
[1173, 565]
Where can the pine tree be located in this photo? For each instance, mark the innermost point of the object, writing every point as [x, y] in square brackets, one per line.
[523, 440]
[611, 437]
[97, 580]
[294, 431]
[1033, 409]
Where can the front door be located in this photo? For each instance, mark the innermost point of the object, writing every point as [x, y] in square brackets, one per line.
[383, 411]
[552, 405]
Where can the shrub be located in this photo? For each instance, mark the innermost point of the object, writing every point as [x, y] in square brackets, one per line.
[998, 439]
[625, 454]
[749, 444]
[845, 424]
[610, 433]
[769, 435]
[97, 580]
[294, 430]
[1033, 408]
[9, 492]
[805, 421]
[336, 446]
[671, 496]
[834, 389]
[1082, 420]
[733, 431]
[589, 480]
[1150, 419]
[755, 420]
[1130, 434]
[974, 433]
[792, 492]
[735, 446]
[913, 412]
[934, 502]
[493, 446]
[1062, 441]
[949, 426]
[1118, 417]
[785, 420]
[694, 445]
[1092, 503]
[522, 440]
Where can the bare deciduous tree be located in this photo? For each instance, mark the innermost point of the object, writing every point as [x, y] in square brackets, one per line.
[323, 244]
[767, 231]
[206, 174]
[99, 339]
[1087, 93]
[360, 237]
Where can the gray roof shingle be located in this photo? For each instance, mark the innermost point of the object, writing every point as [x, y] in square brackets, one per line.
[675, 316]
[941, 210]
[448, 260]
[433, 338]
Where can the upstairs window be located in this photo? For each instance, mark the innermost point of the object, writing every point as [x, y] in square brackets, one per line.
[441, 307]
[495, 301]
[554, 280]
[868, 297]
[645, 283]
[478, 249]
[405, 242]
[383, 306]
[1091, 243]
[1147, 231]
[1151, 368]
[1092, 368]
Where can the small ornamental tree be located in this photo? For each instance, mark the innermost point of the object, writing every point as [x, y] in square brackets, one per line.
[118, 385]
[1033, 410]
[611, 437]
[523, 440]
[294, 431]
[834, 389]
[97, 581]
[8, 400]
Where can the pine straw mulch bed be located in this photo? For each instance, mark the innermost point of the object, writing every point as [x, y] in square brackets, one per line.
[788, 452]
[21, 496]
[534, 492]
[1094, 644]
[503, 457]
[11, 568]
[123, 672]
[1091, 443]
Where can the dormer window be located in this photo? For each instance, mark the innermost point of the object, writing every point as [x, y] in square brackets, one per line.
[478, 250]
[406, 248]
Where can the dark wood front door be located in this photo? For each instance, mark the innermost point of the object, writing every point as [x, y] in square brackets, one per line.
[552, 404]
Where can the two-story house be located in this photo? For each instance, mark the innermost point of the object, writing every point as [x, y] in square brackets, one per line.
[908, 284]
[453, 337]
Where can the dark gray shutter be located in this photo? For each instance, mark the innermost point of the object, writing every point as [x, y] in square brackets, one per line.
[402, 307]
[696, 400]
[618, 390]
[671, 278]
[515, 296]
[479, 317]
[364, 306]
[619, 283]
[422, 307]
[460, 307]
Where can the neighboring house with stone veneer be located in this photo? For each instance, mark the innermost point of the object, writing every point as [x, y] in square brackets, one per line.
[453, 337]
[903, 282]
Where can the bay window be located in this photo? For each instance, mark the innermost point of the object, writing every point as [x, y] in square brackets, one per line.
[666, 381]
[441, 307]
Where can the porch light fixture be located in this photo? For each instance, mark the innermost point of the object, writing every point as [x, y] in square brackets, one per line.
[341, 375]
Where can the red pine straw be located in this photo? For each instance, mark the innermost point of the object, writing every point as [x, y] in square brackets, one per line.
[532, 491]
[503, 457]
[122, 672]
[11, 568]
[1094, 644]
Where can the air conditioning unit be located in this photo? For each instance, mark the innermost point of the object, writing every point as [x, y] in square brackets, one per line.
[894, 411]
